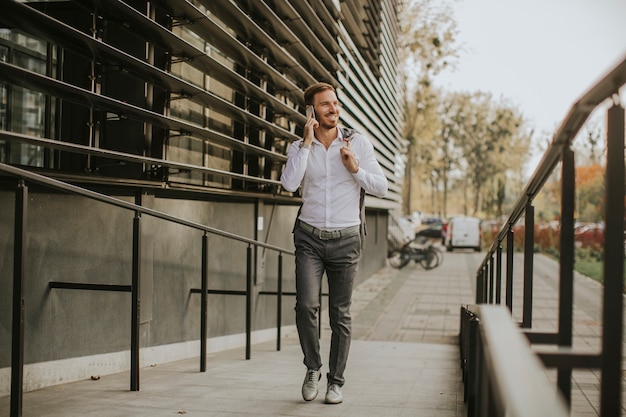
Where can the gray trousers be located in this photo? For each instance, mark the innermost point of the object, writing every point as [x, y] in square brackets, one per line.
[339, 258]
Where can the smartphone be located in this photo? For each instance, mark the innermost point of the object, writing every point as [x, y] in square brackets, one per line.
[310, 112]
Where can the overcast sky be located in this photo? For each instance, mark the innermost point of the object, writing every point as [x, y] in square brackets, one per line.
[542, 55]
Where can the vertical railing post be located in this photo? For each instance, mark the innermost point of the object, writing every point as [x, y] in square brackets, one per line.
[473, 369]
[566, 267]
[612, 321]
[203, 302]
[492, 292]
[279, 300]
[248, 300]
[17, 337]
[529, 249]
[510, 250]
[486, 282]
[481, 286]
[499, 273]
[463, 322]
[136, 309]
[485, 274]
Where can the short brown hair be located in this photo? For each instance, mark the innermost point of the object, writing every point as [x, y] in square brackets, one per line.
[313, 89]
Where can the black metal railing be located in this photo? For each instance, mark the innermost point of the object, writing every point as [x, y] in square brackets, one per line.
[21, 207]
[501, 374]
[479, 352]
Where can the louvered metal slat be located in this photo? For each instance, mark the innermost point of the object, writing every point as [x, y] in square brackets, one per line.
[38, 82]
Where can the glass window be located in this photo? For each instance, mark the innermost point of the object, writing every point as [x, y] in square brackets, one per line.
[22, 110]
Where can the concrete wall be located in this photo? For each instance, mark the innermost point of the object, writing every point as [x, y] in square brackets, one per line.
[74, 239]
[246, 98]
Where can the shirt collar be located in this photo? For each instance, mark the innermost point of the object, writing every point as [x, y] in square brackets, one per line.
[339, 137]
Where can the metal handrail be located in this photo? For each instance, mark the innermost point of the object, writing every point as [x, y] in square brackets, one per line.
[517, 383]
[489, 274]
[41, 179]
[17, 337]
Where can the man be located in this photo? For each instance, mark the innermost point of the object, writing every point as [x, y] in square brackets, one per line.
[332, 168]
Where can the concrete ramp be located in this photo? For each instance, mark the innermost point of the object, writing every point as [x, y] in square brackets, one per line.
[382, 379]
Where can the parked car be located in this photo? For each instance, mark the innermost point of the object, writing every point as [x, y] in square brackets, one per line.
[589, 235]
[431, 221]
[463, 232]
[433, 231]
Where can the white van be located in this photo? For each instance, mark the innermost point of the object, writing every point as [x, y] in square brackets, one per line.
[463, 232]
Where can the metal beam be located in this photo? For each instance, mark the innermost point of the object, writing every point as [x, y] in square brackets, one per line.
[17, 336]
[612, 313]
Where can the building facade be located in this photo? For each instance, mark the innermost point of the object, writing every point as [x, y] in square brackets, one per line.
[186, 107]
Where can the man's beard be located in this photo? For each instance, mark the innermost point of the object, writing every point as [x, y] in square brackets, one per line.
[329, 125]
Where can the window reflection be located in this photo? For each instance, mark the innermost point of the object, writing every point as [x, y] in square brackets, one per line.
[22, 110]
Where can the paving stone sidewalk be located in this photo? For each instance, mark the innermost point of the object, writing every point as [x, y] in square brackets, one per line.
[404, 359]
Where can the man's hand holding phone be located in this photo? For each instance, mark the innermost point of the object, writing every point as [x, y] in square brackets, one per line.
[310, 112]
[309, 126]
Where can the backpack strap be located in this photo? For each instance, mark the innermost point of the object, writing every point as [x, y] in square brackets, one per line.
[363, 229]
[297, 222]
[348, 134]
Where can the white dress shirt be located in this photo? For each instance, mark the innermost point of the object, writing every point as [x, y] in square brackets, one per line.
[330, 193]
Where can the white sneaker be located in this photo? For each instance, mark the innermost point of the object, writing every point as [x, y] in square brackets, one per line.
[333, 394]
[309, 386]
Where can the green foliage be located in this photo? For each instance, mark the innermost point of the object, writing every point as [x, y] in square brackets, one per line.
[589, 263]
[588, 256]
